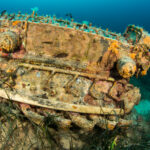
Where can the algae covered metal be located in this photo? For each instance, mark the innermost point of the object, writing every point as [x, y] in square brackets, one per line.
[77, 73]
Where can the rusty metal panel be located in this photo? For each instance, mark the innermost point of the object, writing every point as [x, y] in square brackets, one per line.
[59, 41]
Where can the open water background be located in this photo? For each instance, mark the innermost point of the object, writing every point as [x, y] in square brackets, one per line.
[112, 14]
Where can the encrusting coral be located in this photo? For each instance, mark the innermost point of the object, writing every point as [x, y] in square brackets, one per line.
[9, 41]
[126, 67]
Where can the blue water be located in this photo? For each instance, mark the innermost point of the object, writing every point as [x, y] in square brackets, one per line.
[112, 14]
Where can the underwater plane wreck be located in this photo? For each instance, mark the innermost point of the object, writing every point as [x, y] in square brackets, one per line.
[76, 73]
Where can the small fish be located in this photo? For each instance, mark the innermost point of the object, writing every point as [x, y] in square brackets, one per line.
[69, 15]
[47, 42]
[3, 13]
[12, 17]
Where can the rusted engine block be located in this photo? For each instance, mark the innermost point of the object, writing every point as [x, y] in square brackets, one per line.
[74, 72]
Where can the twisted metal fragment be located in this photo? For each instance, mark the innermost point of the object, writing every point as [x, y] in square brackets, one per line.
[56, 104]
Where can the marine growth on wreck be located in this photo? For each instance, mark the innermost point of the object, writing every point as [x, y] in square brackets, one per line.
[71, 70]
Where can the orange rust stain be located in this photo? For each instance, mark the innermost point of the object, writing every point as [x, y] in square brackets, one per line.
[74, 107]
[9, 70]
[16, 22]
[111, 126]
[24, 107]
[132, 55]
[144, 72]
[134, 69]
[114, 46]
[2, 30]
[4, 54]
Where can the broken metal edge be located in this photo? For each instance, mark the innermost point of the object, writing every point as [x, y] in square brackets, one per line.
[58, 105]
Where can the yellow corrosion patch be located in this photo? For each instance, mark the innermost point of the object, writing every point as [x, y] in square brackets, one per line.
[146, 41]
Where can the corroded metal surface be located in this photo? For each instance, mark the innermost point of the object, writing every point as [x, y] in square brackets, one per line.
[77, 73]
